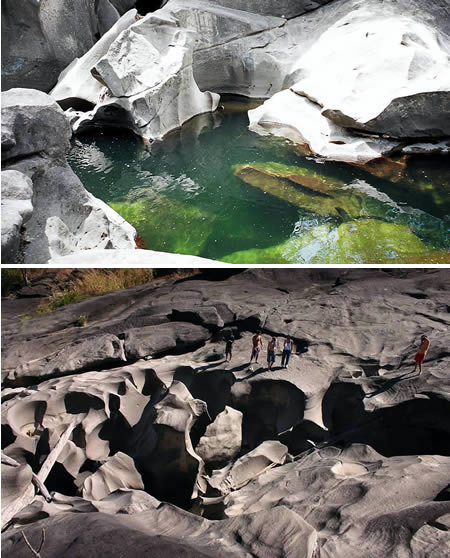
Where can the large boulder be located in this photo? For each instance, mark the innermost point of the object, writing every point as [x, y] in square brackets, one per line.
[387, 78]
[295, 117]
[389, 70]
[65, 217]
[32, 123]
[39, 39]
[149, 80]
[76, 83]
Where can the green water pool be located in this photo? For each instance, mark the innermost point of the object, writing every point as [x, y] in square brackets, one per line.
[214, 189]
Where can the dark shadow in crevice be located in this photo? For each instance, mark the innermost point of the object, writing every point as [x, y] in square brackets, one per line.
[77, 402]
[413, 427]
[8, 436]
[269, 407]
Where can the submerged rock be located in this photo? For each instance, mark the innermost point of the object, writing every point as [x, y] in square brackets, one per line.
[313, 192]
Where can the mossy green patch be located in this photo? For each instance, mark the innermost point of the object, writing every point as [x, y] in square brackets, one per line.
[363, 241]
[176, 227]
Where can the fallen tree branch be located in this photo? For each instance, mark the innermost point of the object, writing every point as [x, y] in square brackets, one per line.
[29, 493]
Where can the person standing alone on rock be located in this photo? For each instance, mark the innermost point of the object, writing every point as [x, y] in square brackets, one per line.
[422, 353]
[257, 346]
[229, 347]
[287, 348]
[271, 347]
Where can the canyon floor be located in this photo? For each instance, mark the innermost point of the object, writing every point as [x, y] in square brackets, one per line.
[145, 441]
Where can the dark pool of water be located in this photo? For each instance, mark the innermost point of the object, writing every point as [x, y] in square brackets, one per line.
[191, 194]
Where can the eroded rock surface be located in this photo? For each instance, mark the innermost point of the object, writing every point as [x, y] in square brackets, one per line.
[288, 462]
[61, 216]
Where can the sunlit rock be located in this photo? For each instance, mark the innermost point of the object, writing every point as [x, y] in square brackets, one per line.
[388, 60]
[295, 117]
[223, 438]
[148, 75]
[76, 83]
[117, 473]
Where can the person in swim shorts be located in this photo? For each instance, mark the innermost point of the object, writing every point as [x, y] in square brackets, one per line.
[257, 346]
[422, 353]
[271, 348]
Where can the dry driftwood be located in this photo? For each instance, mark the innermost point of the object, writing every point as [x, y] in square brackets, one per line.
[30, 492]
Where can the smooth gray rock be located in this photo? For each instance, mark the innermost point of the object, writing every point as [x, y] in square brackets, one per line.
[154, 340]
[223, 438]
[17, 207]
[325, 443]
[99, 350]
[117, 473]
[39, 39]
[123, 6]
[32, 123]
[65, 218]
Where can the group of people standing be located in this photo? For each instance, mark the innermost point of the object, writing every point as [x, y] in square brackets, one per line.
[257, 347]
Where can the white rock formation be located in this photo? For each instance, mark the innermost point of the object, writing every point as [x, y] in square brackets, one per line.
[117, 473]
[150, 85]
[17, 191]
[76, 81]
[295, 117]
[380, 67]
[145, 258]
[223, 438]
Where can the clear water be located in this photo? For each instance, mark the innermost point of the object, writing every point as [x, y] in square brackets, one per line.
[185, 197]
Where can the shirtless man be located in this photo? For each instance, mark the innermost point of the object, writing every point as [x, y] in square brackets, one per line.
[422, 353]
[257, 346]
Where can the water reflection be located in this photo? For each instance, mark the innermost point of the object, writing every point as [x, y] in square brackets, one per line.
[216, 190]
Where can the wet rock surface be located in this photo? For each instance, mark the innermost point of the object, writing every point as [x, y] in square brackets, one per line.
[346, 449]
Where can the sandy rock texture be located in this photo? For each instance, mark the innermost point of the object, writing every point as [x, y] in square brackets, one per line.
[172, 448]
[58, 215]
[39, 39]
